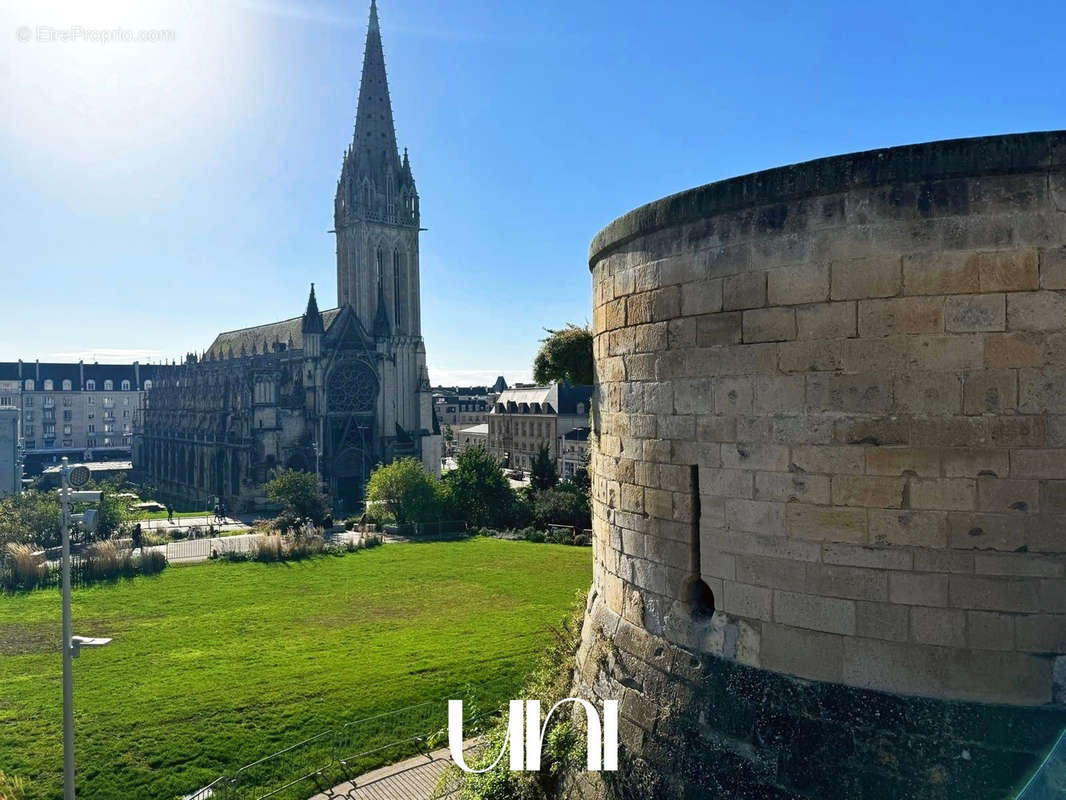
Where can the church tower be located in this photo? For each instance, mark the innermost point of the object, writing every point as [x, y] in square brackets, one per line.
[376, 221]
[376, 215]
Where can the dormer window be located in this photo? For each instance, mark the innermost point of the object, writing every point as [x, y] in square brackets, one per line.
[48, 385]
[90, 385]
[125, 386]
[67, 386]
[147, 385]
[109, 386]
[29, 385]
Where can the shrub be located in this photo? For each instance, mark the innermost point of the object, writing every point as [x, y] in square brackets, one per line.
[237, 556]
[583, 540]
[563, 505]
[298, 493]
[268, 549]
[560, 535]
[107, 561]
[151, 562]
[532, 535]
[25, 569]
[406, 491]
[11, 787]
[176, 534]
[304, 546]
[372, 541]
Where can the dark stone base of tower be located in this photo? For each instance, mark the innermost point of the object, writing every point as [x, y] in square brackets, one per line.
[696, 725]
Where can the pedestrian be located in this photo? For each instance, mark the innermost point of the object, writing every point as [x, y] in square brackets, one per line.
[138, 538]
[170, 514]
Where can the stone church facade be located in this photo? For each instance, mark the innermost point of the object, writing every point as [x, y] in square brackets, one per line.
[334, 391]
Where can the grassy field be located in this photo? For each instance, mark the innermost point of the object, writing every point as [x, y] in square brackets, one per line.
[217, 665]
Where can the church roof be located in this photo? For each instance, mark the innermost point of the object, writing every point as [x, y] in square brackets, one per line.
[375, 133]
[262, 337]
[312, 317]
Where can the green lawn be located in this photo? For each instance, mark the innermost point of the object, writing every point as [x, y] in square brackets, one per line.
[217, 665]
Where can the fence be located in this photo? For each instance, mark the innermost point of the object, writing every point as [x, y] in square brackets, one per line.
[83, 572]
[347, 751]
[428, 530]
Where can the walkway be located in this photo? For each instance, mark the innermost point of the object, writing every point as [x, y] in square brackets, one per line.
[413, 779]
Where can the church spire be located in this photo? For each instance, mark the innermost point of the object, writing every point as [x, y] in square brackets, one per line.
[312, 317]
[375, 133]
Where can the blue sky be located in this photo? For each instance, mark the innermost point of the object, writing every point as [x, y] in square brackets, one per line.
[154, 194]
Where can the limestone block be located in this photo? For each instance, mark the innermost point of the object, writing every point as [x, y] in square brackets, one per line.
[855, 583]
[786, 486]
[779, 394]
[1039, 463]
[753, 602]
[777, 573]
[940, 626]
[829, 459]
[990, 630]
[947, 494]
[734, 395]
[755, 516]
[813, 356]
[1042, 391]
[968, 462]
[993, 391]
[753, 456]
[1021, 349]
[1002, 495]
[805, 653]
[918, 589]
[718, 329]
[826, 524]
[924, 461]
[1035, 311]
[701, 297]
[827, 321]
[868, 491]
[933, 393]
[794, 285]
[909, 528]
[866, 393]
[1002, 532]
[850, 555]
[746, 290]
[994, 594]
[975, 312]
[1053, 268]
[901, 315]
[769, 325]
[827, 614]
[861, 278]
[882, 621]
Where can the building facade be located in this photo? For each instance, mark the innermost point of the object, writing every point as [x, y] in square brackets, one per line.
[525, 418]
[332, 392]
[10, 455]
[82, 411]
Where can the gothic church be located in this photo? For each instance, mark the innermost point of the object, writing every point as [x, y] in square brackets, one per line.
[334, 391]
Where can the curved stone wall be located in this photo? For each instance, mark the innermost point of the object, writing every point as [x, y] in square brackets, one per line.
[830, 444]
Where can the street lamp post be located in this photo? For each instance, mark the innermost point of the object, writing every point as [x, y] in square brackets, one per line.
[72, 478]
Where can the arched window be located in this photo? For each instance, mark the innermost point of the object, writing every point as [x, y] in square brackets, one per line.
[90, 385]
[125, 386]
[48, 385]
[29, 385]
[67, 386]
[147, 385]
[109, 386]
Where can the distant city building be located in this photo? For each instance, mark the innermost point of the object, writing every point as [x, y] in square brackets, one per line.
[463, 406]
[10, 466]
[83, 411]
[334, 392]
[474, 436]
[575, 452]
[525, 418]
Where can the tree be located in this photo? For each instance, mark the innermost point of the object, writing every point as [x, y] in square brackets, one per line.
[298, 492]
[111, 511]
[30, 518]
[565, 355]
[406, 490]
[543, 474]
[480, 494]
[566, 504]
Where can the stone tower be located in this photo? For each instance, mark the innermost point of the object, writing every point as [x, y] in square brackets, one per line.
[376, 215]
[829, 479]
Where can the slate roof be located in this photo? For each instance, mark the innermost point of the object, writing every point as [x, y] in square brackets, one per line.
[561, 397]
[289, 332]
[59, 372]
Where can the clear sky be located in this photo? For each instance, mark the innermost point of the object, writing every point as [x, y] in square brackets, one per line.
[155, 193]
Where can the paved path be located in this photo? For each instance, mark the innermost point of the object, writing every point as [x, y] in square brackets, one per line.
[413, 779]
[187, 551]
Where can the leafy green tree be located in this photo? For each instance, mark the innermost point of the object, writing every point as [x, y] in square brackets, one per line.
[111, 512]
[298, 492]
[30, 518]
[543, 474]
[565, 355]
[480, 494]
[406, 490]
[566, 504]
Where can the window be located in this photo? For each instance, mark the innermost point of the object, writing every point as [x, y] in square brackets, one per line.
[92, 414]
[109, 427]
[29, 386]
[67, 386]
[147, 385]
[49, 402]
[30, 431]
[68, 416]
[109, 386]
[66, 402]
[28, 416]
[5, 401]
[125, 414]
[91, 443]
[31, 444]
[90, 385]
[49, 431]
[92, 428]
[66, 430]
[109, 402]
[28, 402]
[92, 400]
[48, 385]
[107, 441]
[68, 442]
[125, 386]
